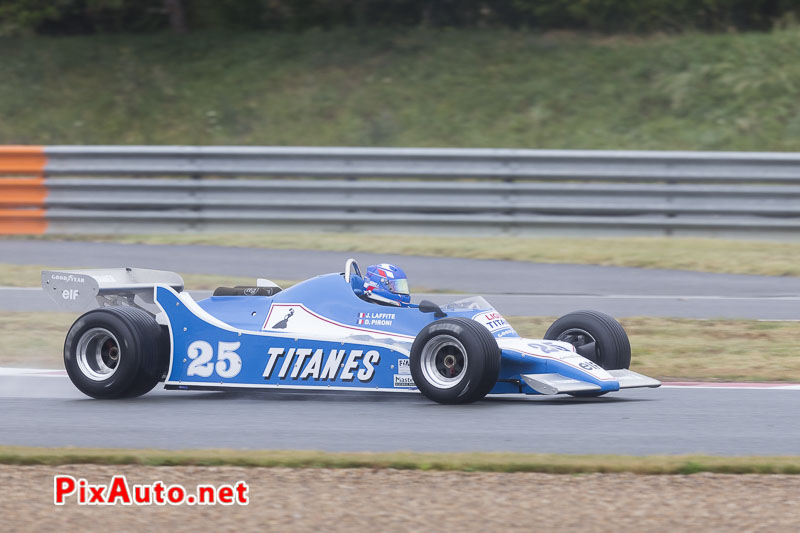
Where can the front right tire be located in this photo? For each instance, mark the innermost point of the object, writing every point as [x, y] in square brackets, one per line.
[596, 336]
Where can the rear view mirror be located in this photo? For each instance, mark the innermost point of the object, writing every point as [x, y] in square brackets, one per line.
[427, 306]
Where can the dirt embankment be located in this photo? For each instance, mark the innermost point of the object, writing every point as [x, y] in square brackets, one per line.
[284, 499]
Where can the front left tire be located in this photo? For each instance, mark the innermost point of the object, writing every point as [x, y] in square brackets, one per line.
[455, 361]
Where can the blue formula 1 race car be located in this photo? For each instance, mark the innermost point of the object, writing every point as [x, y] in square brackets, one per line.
[343, 331]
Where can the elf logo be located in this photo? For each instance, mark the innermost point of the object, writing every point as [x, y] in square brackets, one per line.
[316, 364]
[70, 294]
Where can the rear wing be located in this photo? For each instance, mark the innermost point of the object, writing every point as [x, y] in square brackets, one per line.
[78, 290]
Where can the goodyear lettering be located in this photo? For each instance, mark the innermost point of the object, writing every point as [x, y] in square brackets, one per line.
[309, 363]
[455, 328]
[70, 278]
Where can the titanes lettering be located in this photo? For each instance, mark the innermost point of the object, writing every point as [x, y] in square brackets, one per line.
[309, 363]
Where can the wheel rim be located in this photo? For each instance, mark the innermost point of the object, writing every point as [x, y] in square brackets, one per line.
[579, 337]
[98, 354]
[444, 361]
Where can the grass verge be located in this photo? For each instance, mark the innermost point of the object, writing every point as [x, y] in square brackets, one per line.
[406, 87]
[702, 255]
[679, 349]
[668, 349]
[467, 462]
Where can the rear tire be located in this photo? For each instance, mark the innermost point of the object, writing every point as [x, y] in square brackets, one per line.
[455, 361]
[115, 352]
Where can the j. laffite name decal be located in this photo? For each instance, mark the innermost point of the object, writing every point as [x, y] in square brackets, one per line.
[319, 366]
[375, 319]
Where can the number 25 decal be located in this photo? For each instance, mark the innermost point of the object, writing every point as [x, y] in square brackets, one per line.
[228, 361]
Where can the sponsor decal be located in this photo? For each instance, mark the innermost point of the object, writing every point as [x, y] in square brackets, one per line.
[403, 380]
[589, 365]
[228, 363]
[403, 366]
[250, 291]
[70, 278]
[283, 323]
[548, 347]
[297, 318]
[375, 319]
[455, 328]
[70, 294]
[309, 363]
[494, 322]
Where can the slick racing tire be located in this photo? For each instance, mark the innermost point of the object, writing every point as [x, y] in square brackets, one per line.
[454, 361]
[116, 352]
[596, 336]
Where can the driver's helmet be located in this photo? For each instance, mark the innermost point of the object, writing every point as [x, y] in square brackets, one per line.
[387, 284]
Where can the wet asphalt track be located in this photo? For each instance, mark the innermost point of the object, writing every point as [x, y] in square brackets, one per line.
[48, 411]
[514, 288]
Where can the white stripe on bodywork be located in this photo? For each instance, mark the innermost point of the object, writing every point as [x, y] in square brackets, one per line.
[202, 314]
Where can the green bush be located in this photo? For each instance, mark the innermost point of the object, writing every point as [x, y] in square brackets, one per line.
[91, 16]
[420, 87]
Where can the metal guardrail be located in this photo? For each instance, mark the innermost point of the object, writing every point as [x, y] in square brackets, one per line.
[174, 188]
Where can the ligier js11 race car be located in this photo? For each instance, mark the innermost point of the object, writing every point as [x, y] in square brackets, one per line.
[321, 335]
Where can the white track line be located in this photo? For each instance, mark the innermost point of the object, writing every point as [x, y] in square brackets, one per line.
[43, 372]
[733, 386]
[32, 372]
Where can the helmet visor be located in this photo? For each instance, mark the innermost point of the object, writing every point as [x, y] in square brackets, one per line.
[398, 286]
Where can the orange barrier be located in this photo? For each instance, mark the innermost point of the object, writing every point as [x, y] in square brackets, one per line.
[22, 192]
[22, 160]
[22, 199]
[22, 221]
